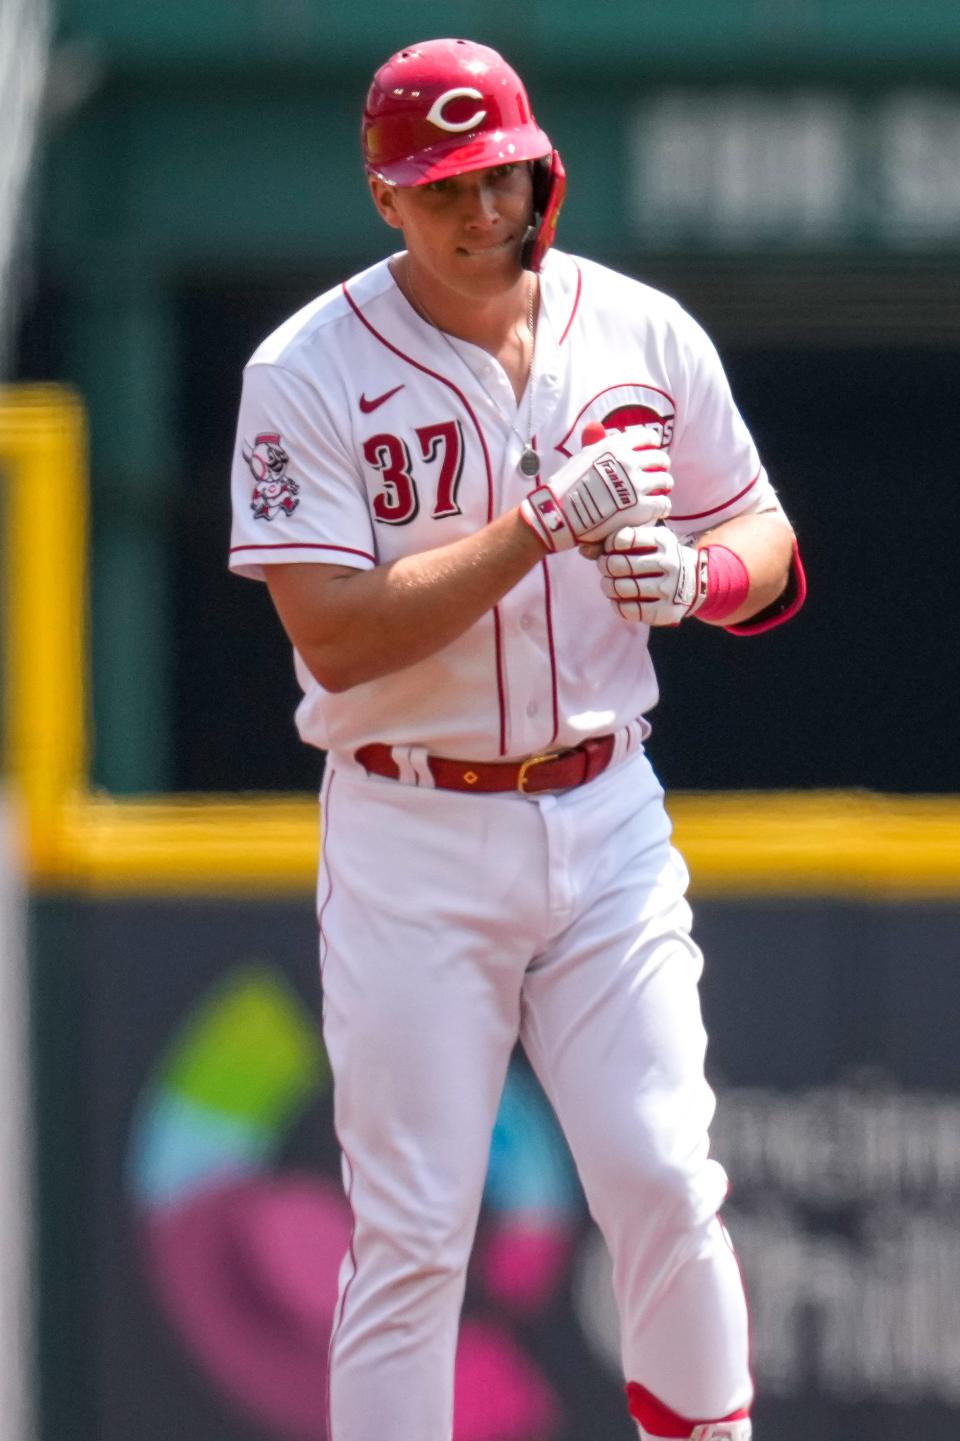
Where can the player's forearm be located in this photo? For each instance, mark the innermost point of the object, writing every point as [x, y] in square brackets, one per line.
[764, 543]
[370, 623]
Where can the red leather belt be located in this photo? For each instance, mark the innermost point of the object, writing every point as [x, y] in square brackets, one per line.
[553, 771]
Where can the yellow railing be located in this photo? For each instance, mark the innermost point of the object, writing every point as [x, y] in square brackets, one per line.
[43, 460]
[787, 843]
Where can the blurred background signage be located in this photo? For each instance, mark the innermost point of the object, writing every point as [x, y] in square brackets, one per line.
[804, 169]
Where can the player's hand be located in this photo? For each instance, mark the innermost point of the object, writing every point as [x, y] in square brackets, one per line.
[651, 576]
[623, 479]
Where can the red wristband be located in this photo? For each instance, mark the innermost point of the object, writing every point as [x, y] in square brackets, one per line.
[728, 584]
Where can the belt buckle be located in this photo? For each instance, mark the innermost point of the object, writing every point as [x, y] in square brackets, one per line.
[528, 765]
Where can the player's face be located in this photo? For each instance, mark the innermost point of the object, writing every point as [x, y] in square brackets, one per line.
[464, 233]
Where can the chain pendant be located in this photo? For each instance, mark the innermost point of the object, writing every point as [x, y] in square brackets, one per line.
[530, 462]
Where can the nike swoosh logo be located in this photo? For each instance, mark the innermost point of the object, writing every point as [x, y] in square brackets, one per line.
[367, 405]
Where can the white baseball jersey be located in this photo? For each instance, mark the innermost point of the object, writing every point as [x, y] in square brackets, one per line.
[365, 434]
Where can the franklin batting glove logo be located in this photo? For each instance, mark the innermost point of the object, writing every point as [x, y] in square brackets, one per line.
[273, 490]
[610, 470]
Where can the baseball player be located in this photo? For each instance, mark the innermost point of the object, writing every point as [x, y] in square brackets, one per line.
[473, 477]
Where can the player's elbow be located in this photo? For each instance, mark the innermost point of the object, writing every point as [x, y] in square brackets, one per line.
[343, 662]
[332, 670]
[332, 682]
[330, 635]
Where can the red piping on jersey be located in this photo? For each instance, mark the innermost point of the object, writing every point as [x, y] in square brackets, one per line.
[501, 697]
[326, 869]
[303, 545]
[553, 655]
[352, 1252]
[486, 460]
[576, 302]
[699, 515]
[620, 385]
[548, 616]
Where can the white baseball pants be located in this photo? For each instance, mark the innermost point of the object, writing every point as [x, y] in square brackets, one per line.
[452, 924]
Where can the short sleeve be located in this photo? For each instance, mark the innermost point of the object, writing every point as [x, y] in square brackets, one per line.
[715, 465]
[295, 489]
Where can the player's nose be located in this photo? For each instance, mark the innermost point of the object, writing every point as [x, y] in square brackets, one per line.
[480, 205]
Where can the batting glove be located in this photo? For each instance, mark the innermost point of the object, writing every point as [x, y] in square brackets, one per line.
[651, 576]
[623, 479]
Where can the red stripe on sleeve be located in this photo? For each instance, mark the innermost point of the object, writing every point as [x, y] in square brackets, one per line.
[700, 514]
[304, 545]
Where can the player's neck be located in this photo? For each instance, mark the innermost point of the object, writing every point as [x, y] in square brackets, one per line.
[491, 323]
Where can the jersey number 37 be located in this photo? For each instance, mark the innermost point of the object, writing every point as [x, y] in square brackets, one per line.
[398, 502]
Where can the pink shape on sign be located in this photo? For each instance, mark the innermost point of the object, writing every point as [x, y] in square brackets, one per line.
[248, 1275]
[499, 1395]
[523, 1262]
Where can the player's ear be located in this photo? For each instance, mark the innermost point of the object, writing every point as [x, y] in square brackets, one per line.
[385, 199]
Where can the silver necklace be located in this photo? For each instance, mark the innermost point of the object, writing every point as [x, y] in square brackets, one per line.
[529, 462]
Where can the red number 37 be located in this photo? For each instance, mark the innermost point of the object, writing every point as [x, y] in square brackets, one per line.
[399, 502]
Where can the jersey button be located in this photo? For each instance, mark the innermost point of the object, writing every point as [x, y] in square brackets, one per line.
[532, 708]
[526, 621]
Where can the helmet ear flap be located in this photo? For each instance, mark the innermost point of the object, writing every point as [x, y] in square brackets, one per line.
[549, 188]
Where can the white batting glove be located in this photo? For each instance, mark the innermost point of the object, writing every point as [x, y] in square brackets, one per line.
[622, 479]
[651, 576]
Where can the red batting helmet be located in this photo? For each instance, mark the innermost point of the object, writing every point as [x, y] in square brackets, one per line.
[444, 107]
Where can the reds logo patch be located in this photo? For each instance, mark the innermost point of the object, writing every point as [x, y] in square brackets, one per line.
[620, 406]
[476, 116]
[273, 489]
